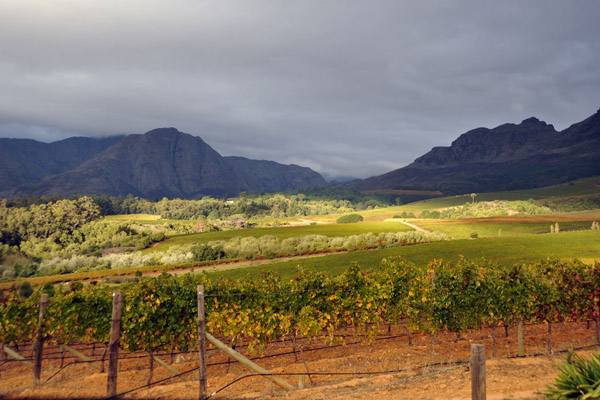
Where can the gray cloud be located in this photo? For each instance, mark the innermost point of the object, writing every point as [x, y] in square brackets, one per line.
[348, 88]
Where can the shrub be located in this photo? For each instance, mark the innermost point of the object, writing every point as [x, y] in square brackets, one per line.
[8, 273]
[474, 235]
[205, 253]
[25, 290]
[350, 218]
[48, 289]
[578, 379]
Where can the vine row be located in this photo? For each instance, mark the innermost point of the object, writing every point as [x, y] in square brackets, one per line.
[160, 313]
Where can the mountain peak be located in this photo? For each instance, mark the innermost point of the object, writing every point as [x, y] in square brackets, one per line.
[534, 122]
[531, 121]
[164, 131]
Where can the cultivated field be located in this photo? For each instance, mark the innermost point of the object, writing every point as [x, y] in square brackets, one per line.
[349, 324]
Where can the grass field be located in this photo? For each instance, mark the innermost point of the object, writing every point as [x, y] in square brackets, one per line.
[583, 245]
[283, 232]
[146, 219]
[462, 229]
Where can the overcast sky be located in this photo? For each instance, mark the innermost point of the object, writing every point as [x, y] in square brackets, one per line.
[348, 88]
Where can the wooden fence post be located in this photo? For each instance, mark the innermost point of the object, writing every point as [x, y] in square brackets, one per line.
[520, 339]
[477, 372]
[39, 343]
[201, 343]
[115, 336]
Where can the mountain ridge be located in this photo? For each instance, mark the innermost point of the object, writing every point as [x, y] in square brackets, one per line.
[508, 157]
[164, 162]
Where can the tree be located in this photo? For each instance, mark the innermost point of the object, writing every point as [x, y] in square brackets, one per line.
[350, 218]
[473, 195]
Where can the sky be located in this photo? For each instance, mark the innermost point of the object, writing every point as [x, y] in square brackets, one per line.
[349, 88]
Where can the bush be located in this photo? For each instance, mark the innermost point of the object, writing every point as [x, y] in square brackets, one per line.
[474, 235]
[48, 289]
[405, 215]
[8, 273]
[206, 253]
[578, 379]
[350, 218]
[25, 290]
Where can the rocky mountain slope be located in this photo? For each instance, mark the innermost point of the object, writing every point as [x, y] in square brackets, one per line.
[511, 156]
[168, 163]
[26, 160]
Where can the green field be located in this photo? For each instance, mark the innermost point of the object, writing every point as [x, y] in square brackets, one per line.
[583, 245]
[146, 219]
[284, 232]
[459, 229]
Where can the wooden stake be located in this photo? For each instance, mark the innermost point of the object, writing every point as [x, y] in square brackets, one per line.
[520, 339]
[294, 347]
[16, 355]
[103, 357]
[301, 381]
[150, 367]
[477, 372]
[75, 353]
[494, 341]
[169, 368]
[306, 366]
[549, 338]
[115, 336]
[248, 363]
[432, 347]
[39, 343]
[201, 343]
[62, 357]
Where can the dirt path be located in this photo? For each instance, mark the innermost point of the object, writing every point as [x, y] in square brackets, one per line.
[415, 227]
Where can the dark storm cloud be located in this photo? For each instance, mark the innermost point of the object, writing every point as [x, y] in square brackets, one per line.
[347, 88]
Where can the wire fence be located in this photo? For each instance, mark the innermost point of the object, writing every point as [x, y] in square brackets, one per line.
[72, 360]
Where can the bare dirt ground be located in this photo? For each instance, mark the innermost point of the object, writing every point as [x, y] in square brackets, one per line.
[389, 368]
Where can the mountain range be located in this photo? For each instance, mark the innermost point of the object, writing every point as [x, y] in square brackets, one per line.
[168, 163]
[509, 157]
[160, 163]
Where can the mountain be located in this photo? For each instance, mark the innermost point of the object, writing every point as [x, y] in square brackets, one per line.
[168, 163]
[269, 176]
[509, 157]
[26, 160]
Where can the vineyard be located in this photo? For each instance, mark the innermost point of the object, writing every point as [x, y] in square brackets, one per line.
[160, 314]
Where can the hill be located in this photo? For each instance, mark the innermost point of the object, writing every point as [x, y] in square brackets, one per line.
[163, 163]
[509, 157]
